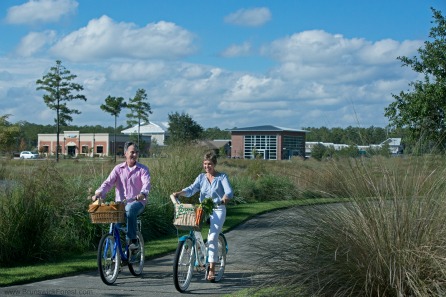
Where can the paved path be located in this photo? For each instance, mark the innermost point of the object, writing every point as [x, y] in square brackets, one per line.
[157, 275]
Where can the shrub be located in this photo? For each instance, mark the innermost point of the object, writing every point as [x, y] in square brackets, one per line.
[388, 241]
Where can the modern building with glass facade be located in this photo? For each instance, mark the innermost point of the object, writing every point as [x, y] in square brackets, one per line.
[267, 142]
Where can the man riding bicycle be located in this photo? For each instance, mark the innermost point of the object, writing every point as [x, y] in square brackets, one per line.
[131, 180]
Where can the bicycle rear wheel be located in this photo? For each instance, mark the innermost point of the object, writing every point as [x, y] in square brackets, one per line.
[137, 257]
[220, 264]
[109, 259]
[183, 265]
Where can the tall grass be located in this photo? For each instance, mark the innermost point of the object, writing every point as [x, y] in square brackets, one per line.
[389, 240]
[44, 204]
[168, 175]
[42, 216]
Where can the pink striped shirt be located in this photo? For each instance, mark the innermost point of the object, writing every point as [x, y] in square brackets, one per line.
[128, 183]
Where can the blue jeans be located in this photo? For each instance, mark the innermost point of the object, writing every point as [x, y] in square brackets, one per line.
[132, 210]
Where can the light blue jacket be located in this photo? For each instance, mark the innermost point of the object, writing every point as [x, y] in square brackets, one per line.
[219, 187]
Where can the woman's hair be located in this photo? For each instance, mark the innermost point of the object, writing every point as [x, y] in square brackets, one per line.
[129, 143]
[210, 156]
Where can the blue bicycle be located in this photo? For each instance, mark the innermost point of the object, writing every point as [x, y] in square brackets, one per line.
[113, 253]
[192, 253]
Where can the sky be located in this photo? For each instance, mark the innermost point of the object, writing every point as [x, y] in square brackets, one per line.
[226, 64]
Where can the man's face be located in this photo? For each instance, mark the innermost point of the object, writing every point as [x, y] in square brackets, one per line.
[131, 155]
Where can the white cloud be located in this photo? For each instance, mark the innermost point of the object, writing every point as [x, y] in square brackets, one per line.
[351, 81]
[103, 38]
[253, 17]
[237, 50]
[314, 46]
[34, 42]
[40, 11]
[387, 50]
[250, 88]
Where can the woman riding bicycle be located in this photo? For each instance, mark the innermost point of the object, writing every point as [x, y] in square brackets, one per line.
[132, 184]
[215, 185]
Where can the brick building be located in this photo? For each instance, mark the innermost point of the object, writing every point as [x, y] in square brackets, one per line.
[268, 142]
[74, 143]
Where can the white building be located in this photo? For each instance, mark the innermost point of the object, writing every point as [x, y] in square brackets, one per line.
[395, 146]
[157, 132]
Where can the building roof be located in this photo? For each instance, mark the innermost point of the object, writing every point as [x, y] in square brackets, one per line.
[392, 141]
[214, 144]
[265, 128]
[150, 128]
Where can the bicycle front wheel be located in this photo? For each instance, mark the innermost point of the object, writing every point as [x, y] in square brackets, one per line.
[220, 264]
[183, 265]
[137, 257]
[109, 259]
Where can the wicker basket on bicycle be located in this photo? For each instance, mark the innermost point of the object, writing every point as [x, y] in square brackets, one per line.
[106, 214]
[188, 216]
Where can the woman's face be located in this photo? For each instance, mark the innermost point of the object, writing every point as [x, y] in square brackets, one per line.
[208, 166]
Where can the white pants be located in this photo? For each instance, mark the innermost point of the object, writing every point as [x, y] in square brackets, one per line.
[217, 220]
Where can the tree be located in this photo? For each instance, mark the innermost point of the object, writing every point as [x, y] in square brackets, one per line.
[216, 133]
[8, 134]
[113, 106]
[318, 151]
[422, 111]
[139, 110]
[183, 129]
[59, 86]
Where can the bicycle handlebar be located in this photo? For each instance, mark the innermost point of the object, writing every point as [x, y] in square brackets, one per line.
[174, 199]
[125, 201]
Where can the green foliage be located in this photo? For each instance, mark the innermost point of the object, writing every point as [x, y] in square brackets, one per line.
[387, 241]
[208, 206]
[348, 152]
[216, 133]
[318, 151]
[60, 89]
[113, 106]
[178, 170]
[43, 217]
[183, 129]
[8, 134]
[139, 108]
[58, 85]
[139, 111]
[349, 135]
[422, 111]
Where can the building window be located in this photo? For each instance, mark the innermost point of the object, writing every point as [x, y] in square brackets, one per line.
[99, 149]
[85, 149]
[263, 146]
[293, 146]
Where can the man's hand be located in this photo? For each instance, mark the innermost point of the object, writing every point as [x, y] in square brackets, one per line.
[96, 195]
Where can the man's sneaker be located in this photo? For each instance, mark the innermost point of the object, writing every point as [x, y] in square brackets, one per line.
[133, 247]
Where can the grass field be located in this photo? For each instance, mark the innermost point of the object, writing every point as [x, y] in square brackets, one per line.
[389, 240]
[154, 248]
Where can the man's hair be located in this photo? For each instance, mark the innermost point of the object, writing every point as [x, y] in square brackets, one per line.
[129, 143]
[210, 156]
